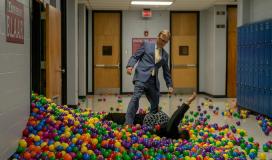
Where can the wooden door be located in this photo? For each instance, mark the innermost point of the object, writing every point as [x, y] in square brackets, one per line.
[232, 51]
[53, 54]
[184, 51]
[107, 52]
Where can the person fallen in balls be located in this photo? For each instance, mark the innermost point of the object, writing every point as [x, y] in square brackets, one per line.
[164, 126]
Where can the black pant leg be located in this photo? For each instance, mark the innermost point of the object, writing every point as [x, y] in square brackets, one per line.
[172, 125]
[120, 118]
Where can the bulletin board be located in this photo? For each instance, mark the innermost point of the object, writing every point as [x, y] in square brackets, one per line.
[137, 42]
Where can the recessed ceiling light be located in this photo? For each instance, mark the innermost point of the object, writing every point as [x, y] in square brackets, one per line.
[159, 3]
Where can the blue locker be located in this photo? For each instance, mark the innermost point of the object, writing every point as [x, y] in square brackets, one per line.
[252, 34]
[266, 101]
[250, 58]
[267, 67]
[260, 52]
[266, 32]
[270, 30]
[247, 57]
[260, 100]
[266, 55]
[269, 55]
[255, 85]
[249, 89]
[270, 105]
[238, 90]
[241, 35]
[242, 95]
[247, 35]
[255, 57]
[245, 95]
[238, 36]
[243, 58]
[261, 33]
[258, 32]
[263, 101]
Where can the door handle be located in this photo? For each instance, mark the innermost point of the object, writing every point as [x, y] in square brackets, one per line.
[107, 65]
[183, 65]
[61, 70]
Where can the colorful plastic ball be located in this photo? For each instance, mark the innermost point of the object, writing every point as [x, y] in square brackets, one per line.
[37, 138]
[67, 156]
[157, 127]
[86, 156]
[265, 148]
[27, 155]
[23, 143]
[262, 156]
[242, 133]
[250, 139]
[252, 155]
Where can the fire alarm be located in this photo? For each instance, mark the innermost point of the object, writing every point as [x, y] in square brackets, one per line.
[146, 13]
[146, 33]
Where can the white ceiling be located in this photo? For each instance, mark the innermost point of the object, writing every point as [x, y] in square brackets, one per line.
[184, 5]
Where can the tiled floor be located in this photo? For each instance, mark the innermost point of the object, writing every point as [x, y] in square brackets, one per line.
[118, 103]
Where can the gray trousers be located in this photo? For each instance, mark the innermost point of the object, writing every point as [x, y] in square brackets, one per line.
[152, 94]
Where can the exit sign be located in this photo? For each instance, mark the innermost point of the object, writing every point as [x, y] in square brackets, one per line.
[146, 13]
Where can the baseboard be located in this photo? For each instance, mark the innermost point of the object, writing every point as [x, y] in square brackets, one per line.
[253, 112]
[213, 96]
[90, 93]
[72, 106]
[81, 97]
[124, 93]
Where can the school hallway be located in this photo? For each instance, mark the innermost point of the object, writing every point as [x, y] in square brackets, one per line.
[65, 65]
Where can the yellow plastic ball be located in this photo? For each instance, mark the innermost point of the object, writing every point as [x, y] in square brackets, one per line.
[230, 144]
[64, 145]
[43, 144]
[37, 138]
[51, 147]
[90, 152]
[94, 141]
[57, 144]
[117, 144]
[22, 143]
[84, 149]
[262, 156]
[74, 140]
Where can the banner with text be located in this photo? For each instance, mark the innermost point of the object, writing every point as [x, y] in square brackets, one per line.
[14, 21]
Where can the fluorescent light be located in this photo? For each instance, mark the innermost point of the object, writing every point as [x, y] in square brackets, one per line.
[159, 3]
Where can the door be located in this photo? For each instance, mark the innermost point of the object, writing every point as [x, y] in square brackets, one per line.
[107, 52]
[184, 51]
[232, 51]
[53, 54]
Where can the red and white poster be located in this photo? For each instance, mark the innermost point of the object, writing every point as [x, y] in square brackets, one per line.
[137, 42]
[14, 21]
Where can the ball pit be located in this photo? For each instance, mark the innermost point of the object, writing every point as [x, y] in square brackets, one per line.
[58, 132]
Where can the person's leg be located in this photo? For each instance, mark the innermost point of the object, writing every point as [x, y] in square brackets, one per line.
[172, 125]
[120, 118]
[153, 95]
[134, 102]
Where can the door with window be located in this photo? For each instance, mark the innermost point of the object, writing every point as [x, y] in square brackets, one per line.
[184, 51]
[107, 31]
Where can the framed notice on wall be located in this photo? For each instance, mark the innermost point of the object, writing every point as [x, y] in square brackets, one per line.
[14, 21]
[137, 42]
